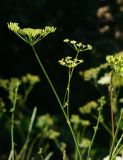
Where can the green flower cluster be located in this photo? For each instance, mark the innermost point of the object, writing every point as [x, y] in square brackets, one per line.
[30, 35]
[45, 123]
[92, 73]
[75, 119]
[117, 80]
[116, 63]
[69, 62]
[105, 79]
[31, 79]
[78, 46]
[10, 85]
[88, 107]
[2, 106]
[85, 143]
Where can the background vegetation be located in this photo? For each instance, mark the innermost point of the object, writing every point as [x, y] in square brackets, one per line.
[98, 23]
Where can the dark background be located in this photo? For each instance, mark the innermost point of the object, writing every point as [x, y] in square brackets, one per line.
[79, 20]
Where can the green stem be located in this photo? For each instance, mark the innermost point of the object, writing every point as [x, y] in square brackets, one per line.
[68, 93]
[51, 85]
[69, 79]
[95, 131]
[58, 99]
[12, 121]
[76, 143]
[96, 127]
[103, 124]
[23, 150]
[31, 146]
[117, 152]
[115, 136]
[117, 146]
[27, 92]
[41, 157]
[111, 103]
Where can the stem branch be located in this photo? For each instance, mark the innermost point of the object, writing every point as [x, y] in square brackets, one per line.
[59, 101]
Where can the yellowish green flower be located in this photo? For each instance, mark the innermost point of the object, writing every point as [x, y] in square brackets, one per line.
[116, 63]
[29, 78]
[69, 62]
[76, 120]
[2, 106]
[92, 73]
[30, 35]
[53, 134]
[117, 80]
[105, 80]
[85, 123]
[85, 143]
[88, 107]
[13, 26]
[45, 121]
[78, 46]
[10, 86]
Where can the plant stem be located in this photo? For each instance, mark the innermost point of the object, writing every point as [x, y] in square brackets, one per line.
[12, 120]
[68, 93]
[31, 146]
[68, 85]
[59, 101]
[115, 136]
[76, 143]
[95, 131]
[111, 103]
[23, 150]
[117, 152]
[27, 92]
[117, 146]
[103, 124]
[51, 85]
[69, 79]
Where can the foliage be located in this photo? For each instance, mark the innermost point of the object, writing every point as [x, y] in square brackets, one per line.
[79, 127]
[42, 138]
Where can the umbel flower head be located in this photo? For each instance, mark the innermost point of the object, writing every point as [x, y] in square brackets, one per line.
[30, 35]
[92, 73]
[69, 62]
[116, 63]
[78, 46]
